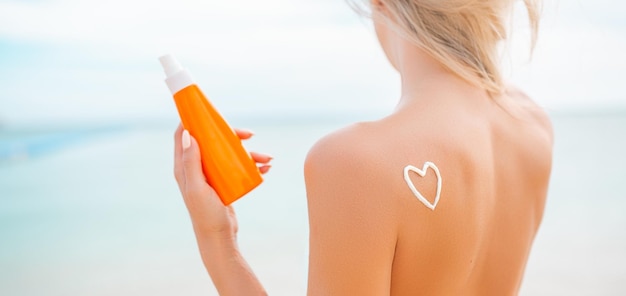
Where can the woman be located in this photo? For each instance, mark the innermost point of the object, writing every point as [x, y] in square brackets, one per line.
[442, 197]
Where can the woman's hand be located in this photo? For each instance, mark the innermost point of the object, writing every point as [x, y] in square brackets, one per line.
[215, 225]
[210, 218]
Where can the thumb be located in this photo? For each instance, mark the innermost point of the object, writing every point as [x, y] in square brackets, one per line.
[192, 164]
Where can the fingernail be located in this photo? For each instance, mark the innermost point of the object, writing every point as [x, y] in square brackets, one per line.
[247, 131]
[264, 169]
[186, 139]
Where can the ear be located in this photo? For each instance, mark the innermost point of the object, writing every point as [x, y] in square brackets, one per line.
[377, 3]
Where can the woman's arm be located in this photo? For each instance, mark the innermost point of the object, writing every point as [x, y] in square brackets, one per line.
[353, 222]
[353, 229]
[214, 224]
[229, 271]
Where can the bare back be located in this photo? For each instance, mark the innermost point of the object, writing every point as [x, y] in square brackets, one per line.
[495, 170]
[495, 166]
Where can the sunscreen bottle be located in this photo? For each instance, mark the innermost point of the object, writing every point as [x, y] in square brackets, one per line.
[228, 167]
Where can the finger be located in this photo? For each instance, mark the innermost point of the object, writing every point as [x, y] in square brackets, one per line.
[244, 134]
[178, 155]
[191, 162]
[264, 169]
[261, 158]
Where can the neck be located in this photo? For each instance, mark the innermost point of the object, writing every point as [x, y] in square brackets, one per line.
[425, 80]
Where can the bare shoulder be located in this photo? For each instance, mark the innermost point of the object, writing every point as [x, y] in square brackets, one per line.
[348, 218]
[533, 110]
[533, 136]
[362, 164]
[351, 167]
[347, 149]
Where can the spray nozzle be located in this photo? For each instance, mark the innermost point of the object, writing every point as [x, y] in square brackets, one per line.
[170, 65]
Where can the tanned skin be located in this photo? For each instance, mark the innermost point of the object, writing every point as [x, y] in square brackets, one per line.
[369, 235]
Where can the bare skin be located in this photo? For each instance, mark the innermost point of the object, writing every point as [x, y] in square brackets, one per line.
[369, 235]
[494, 155]
[378, 239]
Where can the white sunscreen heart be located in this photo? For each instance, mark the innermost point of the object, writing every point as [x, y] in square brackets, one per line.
[422, 173]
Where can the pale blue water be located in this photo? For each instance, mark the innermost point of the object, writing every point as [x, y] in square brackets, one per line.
[98, 213]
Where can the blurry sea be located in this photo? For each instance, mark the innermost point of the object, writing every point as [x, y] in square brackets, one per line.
[97, 212]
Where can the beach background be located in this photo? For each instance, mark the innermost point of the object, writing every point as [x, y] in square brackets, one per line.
[88, 203]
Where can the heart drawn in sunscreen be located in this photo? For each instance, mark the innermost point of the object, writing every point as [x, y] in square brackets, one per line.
[422, 173]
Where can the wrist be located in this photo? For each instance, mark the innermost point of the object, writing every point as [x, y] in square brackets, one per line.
[217, 245]
[228, 269]
[218, 242]
[217, 237]
[217, 258]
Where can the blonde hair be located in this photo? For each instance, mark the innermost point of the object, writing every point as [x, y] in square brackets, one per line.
[461, 34]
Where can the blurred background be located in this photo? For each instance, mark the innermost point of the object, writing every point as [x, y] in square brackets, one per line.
[88, 202]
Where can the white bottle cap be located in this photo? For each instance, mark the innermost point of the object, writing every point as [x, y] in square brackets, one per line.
[170, 65]
[177, 77]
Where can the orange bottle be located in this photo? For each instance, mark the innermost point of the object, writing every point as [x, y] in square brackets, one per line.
[228, 167]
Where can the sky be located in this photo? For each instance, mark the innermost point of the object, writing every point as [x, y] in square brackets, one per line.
[70, 61]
